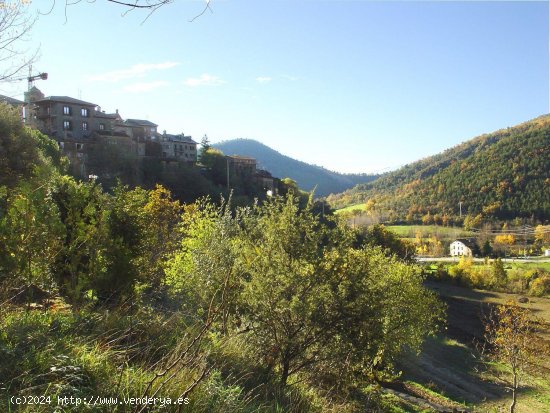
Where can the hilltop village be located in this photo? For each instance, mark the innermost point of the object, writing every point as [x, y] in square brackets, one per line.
[108, 147]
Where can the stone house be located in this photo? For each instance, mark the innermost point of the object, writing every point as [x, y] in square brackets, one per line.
[179, 147]
[463, 247]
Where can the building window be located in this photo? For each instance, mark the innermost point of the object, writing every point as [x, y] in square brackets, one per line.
[67, 125]
[84, 112]
[84, 126]
[101, 126]
[79, 146]
[66, 110]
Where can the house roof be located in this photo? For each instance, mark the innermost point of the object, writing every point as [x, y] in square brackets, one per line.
[139, 122]
[65, 99]
[179, 138]
[241, 158]
[469, 242]
[99, 114]
[262, 173]
[11, 101]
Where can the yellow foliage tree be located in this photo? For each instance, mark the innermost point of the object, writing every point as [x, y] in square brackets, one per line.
[510, 335]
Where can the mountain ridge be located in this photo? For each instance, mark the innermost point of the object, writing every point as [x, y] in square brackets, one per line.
[503, 174]
[309, 177]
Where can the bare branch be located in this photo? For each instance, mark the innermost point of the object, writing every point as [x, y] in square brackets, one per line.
[15, 26]
[207, 7]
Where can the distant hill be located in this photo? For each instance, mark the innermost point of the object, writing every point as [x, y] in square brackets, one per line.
[503, 175]
[306, 175]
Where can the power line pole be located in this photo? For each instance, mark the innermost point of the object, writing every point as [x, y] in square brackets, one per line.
[460, 208]
[227, 163]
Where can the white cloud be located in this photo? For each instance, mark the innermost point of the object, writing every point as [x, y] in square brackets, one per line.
[138, 70]
[291, 78]
[204, 80]
[144, 87]
[263, 79]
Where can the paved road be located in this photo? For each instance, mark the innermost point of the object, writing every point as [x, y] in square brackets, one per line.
[456, 259]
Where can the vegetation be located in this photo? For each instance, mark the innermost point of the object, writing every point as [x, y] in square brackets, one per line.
[129, 293]
[532, 279]
[502, 175]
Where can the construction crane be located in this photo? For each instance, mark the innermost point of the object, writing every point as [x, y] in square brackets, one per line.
[31, 78]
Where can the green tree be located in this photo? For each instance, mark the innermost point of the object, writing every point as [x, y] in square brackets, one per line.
[499, 273]
[123, 246]
[20, 148]
[205, 146]
[378, 307]
[204, 272]
[309, 297]
[282, 256]
[487, 249]
[30, 235]
[82, 208]
[391, 244]
[216, 164]
[160, 218]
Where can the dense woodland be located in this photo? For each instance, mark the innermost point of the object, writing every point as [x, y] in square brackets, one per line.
[498, 176]
[272, 306]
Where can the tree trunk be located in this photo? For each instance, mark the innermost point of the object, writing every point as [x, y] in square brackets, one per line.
[286, 367]
[514, 391]
[513, 405]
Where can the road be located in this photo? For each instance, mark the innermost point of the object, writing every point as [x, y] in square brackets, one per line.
[456, 259]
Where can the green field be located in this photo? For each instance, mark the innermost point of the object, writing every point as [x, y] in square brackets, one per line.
[526, 266]
[351, 208]
[410, 231]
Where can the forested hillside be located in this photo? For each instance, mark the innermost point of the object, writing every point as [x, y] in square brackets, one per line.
[503, 175]
[306, 175]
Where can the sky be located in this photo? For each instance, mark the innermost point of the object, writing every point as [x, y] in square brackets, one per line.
[353, 86]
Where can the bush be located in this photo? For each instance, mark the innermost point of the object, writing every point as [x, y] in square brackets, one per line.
[540, 286]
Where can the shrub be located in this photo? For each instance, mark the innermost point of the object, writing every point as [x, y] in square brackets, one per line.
[540, 286]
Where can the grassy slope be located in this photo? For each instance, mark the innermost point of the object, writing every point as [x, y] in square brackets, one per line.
[449, 364]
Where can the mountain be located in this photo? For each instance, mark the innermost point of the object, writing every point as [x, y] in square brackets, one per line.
[306, 175]
[502, 175]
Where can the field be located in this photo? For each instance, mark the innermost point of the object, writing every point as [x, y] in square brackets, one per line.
[351, 208]
[449, 365]
[410, 231]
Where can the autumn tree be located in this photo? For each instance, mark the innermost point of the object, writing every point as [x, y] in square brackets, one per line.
[504, 242]
[511, 339]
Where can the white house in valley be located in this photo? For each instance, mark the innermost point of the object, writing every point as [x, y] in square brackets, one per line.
[462, 247]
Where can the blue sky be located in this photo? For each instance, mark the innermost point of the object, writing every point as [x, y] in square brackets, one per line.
[354, 86]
